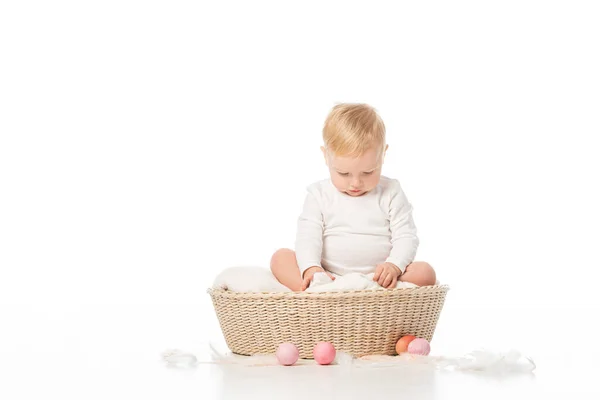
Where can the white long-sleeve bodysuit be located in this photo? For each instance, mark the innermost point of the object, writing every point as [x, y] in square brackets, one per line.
[345, 234]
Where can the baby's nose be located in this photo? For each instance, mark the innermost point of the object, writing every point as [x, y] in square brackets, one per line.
[356, 182]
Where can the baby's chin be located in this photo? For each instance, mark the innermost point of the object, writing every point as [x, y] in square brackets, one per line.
[355, 194]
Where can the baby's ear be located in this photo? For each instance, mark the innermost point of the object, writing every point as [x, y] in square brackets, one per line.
[324, 155]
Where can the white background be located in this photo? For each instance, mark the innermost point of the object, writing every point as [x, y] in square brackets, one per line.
[145, 146]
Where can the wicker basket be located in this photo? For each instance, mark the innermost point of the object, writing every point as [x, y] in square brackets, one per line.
[357, 322]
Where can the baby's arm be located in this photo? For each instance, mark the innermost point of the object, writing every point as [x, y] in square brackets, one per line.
[404, 232]
[309, 234]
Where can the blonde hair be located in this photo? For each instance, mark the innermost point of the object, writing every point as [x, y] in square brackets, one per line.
[352, 129]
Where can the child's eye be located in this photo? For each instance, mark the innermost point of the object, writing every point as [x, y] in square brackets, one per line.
[368, 173]
[343, 173]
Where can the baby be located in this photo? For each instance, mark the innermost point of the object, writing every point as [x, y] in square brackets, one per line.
[357, 220]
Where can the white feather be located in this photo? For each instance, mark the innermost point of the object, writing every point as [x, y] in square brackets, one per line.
[479, 360]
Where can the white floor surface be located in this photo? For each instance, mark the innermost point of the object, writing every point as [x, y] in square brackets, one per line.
[111, 351]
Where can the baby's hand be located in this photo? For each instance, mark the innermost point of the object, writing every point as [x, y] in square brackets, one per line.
[387, 275]
[308, 275]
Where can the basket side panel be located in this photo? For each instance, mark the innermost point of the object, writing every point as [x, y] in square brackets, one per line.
[359, 325]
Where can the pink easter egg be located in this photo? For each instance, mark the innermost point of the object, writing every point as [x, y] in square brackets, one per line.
[419, 346]
[324, 353]
[287, 354]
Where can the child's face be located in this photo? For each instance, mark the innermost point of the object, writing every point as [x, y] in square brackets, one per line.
[355, 176]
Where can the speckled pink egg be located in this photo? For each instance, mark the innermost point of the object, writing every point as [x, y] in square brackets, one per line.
[419, 346]
[324, 353]
[287, 354]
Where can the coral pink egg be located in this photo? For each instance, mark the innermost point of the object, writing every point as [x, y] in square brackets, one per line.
[403, 342]
[324, 353]
[287, 354]
[419, 346]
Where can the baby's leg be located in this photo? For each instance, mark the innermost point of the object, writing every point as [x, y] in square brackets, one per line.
[420, 273]
[285, 268]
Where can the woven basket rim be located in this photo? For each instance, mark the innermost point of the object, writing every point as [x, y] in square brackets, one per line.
[346, 293]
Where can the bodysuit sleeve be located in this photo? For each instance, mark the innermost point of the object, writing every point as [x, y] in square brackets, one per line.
[309, 234]
[404, 232]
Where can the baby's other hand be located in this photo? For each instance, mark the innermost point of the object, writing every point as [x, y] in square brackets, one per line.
[309, 273]
[387, 275]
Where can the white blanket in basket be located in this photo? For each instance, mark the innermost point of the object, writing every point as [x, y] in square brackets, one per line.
[259, 279]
